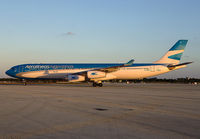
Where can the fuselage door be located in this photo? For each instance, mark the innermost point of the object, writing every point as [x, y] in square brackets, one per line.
[19, 69]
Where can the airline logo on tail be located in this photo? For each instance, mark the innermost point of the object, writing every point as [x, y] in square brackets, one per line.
[173, 56]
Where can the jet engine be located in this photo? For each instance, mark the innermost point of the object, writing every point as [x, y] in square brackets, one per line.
[95, 74]
[75, 78]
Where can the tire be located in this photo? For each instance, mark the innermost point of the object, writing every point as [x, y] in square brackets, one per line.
[94, 84]
[100, 84]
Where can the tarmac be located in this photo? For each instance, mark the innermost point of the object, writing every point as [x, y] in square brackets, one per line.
[115, 111]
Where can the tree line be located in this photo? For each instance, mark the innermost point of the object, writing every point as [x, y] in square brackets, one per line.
[145, 80]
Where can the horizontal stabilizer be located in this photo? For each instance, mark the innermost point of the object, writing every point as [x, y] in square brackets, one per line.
[177, 65]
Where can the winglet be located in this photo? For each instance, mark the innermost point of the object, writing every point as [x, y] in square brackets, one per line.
[129, 63]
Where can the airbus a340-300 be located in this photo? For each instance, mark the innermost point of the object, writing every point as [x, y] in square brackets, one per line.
[98, 72]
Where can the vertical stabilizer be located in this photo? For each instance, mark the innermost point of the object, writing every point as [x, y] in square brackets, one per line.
[173, 56]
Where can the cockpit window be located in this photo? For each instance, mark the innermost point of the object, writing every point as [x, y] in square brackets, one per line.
[14, 69]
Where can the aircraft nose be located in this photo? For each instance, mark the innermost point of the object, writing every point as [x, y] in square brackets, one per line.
[8, 72]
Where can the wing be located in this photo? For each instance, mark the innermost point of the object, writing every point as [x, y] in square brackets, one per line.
[107, 69]
[115, 68]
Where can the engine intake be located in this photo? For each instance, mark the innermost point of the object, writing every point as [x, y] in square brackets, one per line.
[75, 78]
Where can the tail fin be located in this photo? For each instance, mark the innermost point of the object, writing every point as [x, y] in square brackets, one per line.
[173, 56]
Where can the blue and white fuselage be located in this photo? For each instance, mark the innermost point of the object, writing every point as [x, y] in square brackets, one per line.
[60, 71]
[102, 71]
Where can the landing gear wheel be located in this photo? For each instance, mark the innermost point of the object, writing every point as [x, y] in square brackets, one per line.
[94, 84]
[97, 84]
[24, 82]
[100, 84]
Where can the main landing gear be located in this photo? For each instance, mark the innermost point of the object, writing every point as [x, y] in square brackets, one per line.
[97, 84]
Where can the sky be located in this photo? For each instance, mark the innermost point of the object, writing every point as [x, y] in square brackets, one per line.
[98, 31]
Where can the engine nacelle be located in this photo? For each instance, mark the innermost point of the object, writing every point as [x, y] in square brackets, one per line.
[95, 74]
[75, 78]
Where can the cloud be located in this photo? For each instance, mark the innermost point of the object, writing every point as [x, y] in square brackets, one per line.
[68, 34]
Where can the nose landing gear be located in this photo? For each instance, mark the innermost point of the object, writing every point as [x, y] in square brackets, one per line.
[24, 82]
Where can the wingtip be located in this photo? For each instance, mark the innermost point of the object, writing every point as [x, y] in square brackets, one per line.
[130, 62]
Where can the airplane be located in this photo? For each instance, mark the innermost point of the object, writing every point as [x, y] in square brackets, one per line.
[98, 72]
